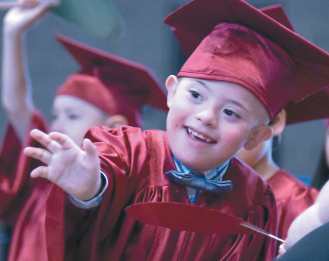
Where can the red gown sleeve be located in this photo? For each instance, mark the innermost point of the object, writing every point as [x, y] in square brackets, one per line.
[15, 168]
[122, 160]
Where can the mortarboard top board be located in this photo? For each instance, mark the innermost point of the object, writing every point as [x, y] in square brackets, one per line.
[198, 18]
[189, 42]
[100, 17]
[278, 14]
[192, 218]
[133, 81]
[313, 107]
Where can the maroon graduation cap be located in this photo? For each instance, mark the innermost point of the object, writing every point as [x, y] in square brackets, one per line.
[299, 70]
[111, 83]
[192, 218]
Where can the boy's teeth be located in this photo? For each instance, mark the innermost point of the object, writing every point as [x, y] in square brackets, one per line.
[200, 136]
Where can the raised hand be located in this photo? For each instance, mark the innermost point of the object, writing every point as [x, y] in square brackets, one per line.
[25, 14]
[75, 170]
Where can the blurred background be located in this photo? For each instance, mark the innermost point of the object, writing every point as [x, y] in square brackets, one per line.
[147, 40]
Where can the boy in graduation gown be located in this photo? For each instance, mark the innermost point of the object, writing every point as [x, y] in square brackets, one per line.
[108, 91]
[244, 71]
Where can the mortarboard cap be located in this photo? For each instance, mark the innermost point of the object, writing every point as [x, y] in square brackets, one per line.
[112, 84]
[191, 218]
[279, 66]
[100, 17]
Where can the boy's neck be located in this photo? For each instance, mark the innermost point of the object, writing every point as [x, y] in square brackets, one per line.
[177, 162]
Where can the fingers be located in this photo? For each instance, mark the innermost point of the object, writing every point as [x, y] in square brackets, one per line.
[45, 140]
[40, 172]
[39, 154]
[63, 140]
[91, 151]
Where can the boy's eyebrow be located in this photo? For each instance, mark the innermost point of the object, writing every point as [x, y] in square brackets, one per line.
[203, 84]
[239, 104]
[230, 100]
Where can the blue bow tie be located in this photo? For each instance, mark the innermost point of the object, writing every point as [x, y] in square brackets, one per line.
[197, 180]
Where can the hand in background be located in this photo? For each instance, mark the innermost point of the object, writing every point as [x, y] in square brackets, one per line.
[22, 16]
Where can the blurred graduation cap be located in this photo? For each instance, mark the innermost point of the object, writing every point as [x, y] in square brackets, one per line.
[196, 20]
[111, 83]
[191, 218]
[100, 17]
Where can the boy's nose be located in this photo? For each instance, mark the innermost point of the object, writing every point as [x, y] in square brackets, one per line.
[207, 117]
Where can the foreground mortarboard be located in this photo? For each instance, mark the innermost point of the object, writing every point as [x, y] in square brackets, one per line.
[111, 83]
[277, 65]
[100, 17]
[192, 218]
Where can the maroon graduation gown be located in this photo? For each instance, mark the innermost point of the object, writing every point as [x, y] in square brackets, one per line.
[135, 163]
[292, 197]
[22, 198]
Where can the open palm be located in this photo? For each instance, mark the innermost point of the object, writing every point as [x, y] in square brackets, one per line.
[75, 170]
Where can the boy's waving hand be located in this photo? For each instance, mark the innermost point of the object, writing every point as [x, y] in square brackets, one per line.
[75, 170]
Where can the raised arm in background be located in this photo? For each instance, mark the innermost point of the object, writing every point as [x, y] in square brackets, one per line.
[16, 87]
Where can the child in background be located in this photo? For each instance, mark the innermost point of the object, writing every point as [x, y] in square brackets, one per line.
[233, 84]
[292, 196]
[100, 94]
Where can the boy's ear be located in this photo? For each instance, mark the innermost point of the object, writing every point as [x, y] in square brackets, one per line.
[171, 85]
[279, 122]
[116, 121]
[262, 133]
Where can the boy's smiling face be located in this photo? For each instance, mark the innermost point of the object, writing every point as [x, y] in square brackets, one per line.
[209, 122]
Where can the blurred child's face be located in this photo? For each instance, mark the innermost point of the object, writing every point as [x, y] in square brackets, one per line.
[210, 121]
[74, 117]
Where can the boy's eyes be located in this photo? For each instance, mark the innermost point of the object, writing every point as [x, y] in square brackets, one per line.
[73, 116]
[195, 95]
[229, 112]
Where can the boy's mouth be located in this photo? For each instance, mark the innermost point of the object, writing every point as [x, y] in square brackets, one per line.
[196, 135]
